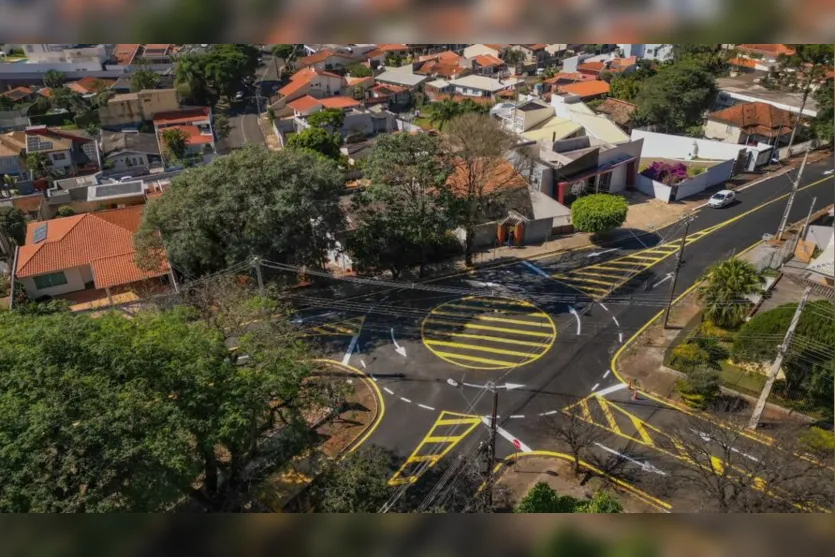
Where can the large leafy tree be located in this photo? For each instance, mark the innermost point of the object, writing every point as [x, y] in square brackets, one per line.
[331, 118]
[280, 206]
[317, 140]
[114, 414]
[13, 224]
[143, 79]
[228, 64]
[803, 69]
[401, 213]
[191, 76]
[675, 98]
[356, 484]
[822, 125]
[712, 57]
[54, 78]
[442, 112]
[725, 289]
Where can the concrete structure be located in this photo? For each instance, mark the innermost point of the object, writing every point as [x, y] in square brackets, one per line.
[666, 146]
[654, 51]
[524, 116]
[68, 58]
[404, 76]
[195, 124]
[750, 123]
[131, 109]
[125, 151]
[496, 50]
[599, 127]
[746, 88]
[481, 86]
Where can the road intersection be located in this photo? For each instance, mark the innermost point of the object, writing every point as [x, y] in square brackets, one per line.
[552, 328]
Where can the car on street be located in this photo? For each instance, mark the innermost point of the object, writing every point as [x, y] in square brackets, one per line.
[239, 96]
[721, 199]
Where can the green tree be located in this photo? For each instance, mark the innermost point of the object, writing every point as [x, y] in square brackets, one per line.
[175, 143]
[284, 51]
[65, 211]
[442, 112]
[38, 164]
[54, 78]
[803, 69]
[601, 502]
[13, 224]
[330, 119]
[356, 484]
[191, 74]
[675, 98]
[822, 125]
[598, 212]
[282, 206]
[40, 106]
[144, 79]
[514, 59]
[68, 99]
[101, 93]
[6, 103]
[317, 140]
[226, 65]
[688, 356]
[359, 70]
[221, 126]
[700, 387]
[541, 498]
[401, 213]
[724, 292]
[711, 58]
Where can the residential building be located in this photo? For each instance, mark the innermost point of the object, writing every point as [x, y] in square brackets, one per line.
[358, 121]
[535, 54]
[443, 65]
[750, 123]
[12, 156]
[131, 109]
[363, 83]
[621, 66]
[389, 94]
[482, 86]
[70, 58]
[487, 64]
[125, 151]
[195, 124]
[312, 82]
[19, 94]
[556, 51]
[747, 88]
[404, 76]
[93, 251]
[592, 69]
[600, 128]
[326, 60]
[767, 53]
[659, 52]
[11, 120]
[585, 90]
[89, 85]
[383, 51]
[437, 88]
[124, 54]
[66, 152]
[618, 111]
[496, 50]
[524, 116]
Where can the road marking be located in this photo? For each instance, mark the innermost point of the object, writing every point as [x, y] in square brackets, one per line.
[595, 254]
[615, 319]
[347, 357]
[535, 269]
[506, 386]
[507, 435]
[576, 316]
[426, 407]
[389, 391]
[612, 389]
[397, 348]
[495, 364]
[372, 377]
[363, 364]
[517, 417]
[595, 387]
[549, 413]
[404, 399]
[668, 276]
[489, 328]
[604, 307]
[620, 338]
[477, 348]
[605, 375]
[490, 338]
[646, 466]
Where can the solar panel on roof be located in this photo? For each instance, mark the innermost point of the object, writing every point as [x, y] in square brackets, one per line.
[39, 235]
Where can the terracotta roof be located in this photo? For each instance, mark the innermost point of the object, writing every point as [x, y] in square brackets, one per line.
[568, 76]
[771, 49]
[620, 111]
[87, 85]
[339, 102]
[354, 81]
[496, 46]
[535, 47]
[45, 92]
[315, 58]
[193, 135]
[103, 240]
[303, 104]
[756, 117]
[487, 60]
[585, 89]
[393, 89]
[181, 116]
[18, 93]
[620, 64]
[392, 47]
[743, 62]
[124, 53]
[441, 70]
[592, 66]
[502, 177]
[445, 57]
[302, 78]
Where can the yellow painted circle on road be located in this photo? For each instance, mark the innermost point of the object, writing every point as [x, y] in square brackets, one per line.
[486, 332]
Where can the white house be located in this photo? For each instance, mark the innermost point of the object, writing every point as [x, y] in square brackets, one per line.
[656, 51]
[481, 86]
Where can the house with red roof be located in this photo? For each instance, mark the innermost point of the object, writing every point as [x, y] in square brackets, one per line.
[92, 252]
[89, 85]
[196, 126]
[535, 54]
[585, 90]
[18, 94]
[326, 60]
[310, 82]
[388, 93]
[487, 64]
[750, 123]
[359, 121]
[66, 152]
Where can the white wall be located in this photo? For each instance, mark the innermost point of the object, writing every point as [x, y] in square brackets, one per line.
[75, 282]
[712, 176]
[66, 67]
[652, 188]
[120, 161]
[820, 235]
[722, 132]
[662, 145]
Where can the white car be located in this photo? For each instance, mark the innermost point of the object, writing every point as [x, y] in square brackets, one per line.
[721, 199]
[239, 96]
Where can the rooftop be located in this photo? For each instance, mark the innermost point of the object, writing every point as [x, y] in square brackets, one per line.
[757, 117]
[483, 83]
[125, 53]
[402, 76]
[487, 60]
[586, 89]
[339, 102]
[87, 85]
[619, 111]
[303, 104]
[746, 87]
[182, 116]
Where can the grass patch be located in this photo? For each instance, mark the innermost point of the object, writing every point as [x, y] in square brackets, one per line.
[738, 379]
[423, 122]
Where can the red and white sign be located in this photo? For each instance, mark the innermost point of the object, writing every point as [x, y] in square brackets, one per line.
[517, 444]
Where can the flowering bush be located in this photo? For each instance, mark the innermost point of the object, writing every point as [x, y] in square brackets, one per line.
[666, 173]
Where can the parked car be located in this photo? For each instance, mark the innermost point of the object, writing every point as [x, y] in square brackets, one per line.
[721, 199]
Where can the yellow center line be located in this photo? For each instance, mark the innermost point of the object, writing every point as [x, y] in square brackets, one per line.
[477, 348]
[431, 319]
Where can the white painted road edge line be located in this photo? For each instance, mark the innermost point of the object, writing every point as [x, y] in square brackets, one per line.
[517, 417]
[507, 435]
[595, 387]
[347, 357]
[535, 269]
[615, 319]
[620, 338]
[404, 399]
[363, 364]
[576, 316]
[645, 466]
[389, 391]
[604, 307]
[426, 407]
[549, 413]
[612, 389]
[605, 375]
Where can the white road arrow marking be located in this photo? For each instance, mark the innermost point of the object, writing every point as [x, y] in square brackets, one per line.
[535, 269]
[705, 437]
[397, 348]
[668, 276]
[577, 317]
[645, 466]
[480, 284]
[612, 389]
[595, 387]
[508, 386]
[507, 435]
[828, 172]
[347, 357]
[596, 253]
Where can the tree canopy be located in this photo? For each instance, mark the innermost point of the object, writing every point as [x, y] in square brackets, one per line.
[543, 499]
[356, 484]
[13, 224]
[598, 212]
[359, 70]
[317, 140]
[330, 118]
[822, 125]
[724, 292]
[143, 79]
[281, 206]
[54, 78]
[175, 142]
[220, 70]
[675, 98]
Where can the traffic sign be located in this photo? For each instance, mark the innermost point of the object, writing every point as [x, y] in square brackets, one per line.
[517, 444]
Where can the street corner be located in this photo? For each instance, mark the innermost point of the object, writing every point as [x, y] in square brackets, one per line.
[488, 332]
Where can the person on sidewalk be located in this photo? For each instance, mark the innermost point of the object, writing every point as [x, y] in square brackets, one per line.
[510, 238]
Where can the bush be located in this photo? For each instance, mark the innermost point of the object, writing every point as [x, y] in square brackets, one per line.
[709, 329]
[598, 212]
[666, 173]
[700, 387]
[715, 351]
[688, 356]
[818, 441]
[65, 211]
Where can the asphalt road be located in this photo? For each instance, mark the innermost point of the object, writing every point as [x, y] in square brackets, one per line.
[546, 331]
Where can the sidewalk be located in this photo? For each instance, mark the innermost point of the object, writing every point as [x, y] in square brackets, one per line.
[269, 134]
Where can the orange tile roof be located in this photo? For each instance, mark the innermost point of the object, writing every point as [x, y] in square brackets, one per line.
[392, 47]
[445, 57]
[339, 102]
[496, 46]
[393, 89]
[620, 111]
[487, 60]
[535, 47]
[103, 240]
[181, 116]
[584, 89]
[317, 57]
[568, 76]
[18, 92]
[743, 62]
[193, 135]
[45, 92]
[353, 81]
[302, 78]
[124, 53]
[758, 117]
[592, 66]
[772, 49]
[87, 84]
[303, 104]
[619, 64]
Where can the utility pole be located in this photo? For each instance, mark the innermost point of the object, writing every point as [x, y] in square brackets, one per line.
[491, 447]
[256, 262]
[801, 234]
[796, 185]
[778, 361]
[679, 259]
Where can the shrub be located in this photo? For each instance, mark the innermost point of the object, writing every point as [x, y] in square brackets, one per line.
[715, 351]
[700, 387]
[666, 173]
[709, 329]
[598, 212]
[818, 441]
[688, 356]
[65, 211]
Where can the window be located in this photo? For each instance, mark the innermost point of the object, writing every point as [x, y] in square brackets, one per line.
[52, 279]
[59, 156]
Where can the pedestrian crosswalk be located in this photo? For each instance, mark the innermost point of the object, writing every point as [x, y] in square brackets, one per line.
[599, 280]
[483, 332]
[339, 327]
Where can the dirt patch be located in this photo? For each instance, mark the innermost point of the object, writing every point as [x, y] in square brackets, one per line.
[517, 479]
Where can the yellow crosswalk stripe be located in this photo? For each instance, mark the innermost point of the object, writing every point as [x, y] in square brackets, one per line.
[619, 262]
[504, 340]
[478, 348]
[491, 318]
[605, 268]
[501, 302]
[604, 406]
[584, 409]
[431, 319]
[502, 363]
[639, 426]
[494, 310]
[645, 258]
[453, 439]
[575, 278]
[594, 274]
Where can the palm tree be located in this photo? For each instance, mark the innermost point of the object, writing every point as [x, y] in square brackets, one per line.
[725, 290]
[442, 112]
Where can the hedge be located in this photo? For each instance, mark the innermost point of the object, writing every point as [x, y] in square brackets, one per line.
[598, 212]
